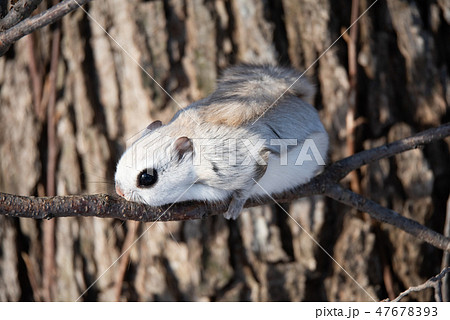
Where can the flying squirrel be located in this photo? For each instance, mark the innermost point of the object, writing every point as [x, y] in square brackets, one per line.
[255, 135]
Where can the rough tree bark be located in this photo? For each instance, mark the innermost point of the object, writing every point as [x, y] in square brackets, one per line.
[104, 98]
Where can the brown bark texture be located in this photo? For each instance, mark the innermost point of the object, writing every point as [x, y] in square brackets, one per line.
[101, 91]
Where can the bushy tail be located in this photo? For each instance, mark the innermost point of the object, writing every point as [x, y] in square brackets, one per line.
[245, 92]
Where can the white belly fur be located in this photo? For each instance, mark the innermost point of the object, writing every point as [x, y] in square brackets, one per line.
[280, 177]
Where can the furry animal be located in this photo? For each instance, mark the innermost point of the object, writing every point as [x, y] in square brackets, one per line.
[254, 135]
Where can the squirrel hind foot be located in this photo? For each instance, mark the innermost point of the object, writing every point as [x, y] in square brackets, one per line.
[235, 208]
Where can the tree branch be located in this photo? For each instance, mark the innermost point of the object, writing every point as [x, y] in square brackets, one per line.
[326, 183]
[20, 11]
[341, 168]
[389, 216]
[434, 282]
[21, 29]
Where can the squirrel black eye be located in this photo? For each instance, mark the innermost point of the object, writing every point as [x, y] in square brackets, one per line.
[147, 178]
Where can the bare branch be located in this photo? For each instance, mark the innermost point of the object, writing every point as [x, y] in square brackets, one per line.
[341, 168]
[102, 206]
[389, 216]
[434, 283]
[8, 37]
[106, 206]
[20, 11]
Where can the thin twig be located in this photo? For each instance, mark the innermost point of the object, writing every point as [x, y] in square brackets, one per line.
[106, 206]
[434, 282]
[21, 10]
[8, 37]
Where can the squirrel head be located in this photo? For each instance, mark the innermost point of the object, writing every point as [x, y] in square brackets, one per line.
[156, 169]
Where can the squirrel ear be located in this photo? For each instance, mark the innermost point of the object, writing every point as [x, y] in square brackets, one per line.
[183, 145]
[154, 125]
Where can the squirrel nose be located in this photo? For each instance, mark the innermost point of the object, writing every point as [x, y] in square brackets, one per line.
[119, 191]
